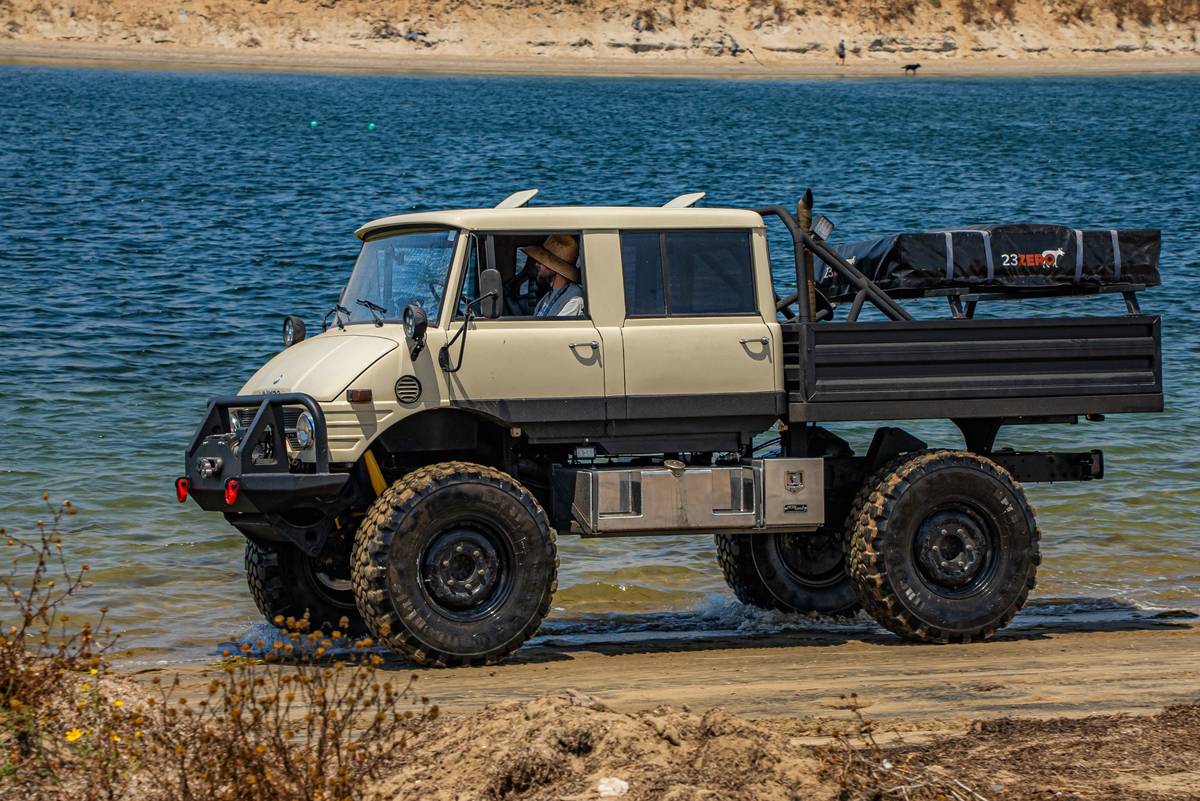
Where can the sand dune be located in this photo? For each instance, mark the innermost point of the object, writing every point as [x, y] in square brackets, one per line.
[763, 36]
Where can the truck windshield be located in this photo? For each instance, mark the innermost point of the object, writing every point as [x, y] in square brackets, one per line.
[394, 271]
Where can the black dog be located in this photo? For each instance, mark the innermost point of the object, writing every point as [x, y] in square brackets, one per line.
[911, 68]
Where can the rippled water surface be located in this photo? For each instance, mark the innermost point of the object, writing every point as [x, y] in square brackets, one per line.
[154, 227]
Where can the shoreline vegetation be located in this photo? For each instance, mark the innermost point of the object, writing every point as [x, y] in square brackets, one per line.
[684, 38]
[305, 715]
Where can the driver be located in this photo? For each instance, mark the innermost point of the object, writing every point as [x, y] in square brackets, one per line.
[555, 259]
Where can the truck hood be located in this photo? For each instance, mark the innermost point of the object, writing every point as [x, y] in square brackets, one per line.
[321, 367]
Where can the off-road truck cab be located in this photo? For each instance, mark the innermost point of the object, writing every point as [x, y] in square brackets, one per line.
[410, 467]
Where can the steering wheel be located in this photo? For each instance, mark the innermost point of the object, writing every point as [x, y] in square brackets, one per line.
[435, 291]
[512, 290]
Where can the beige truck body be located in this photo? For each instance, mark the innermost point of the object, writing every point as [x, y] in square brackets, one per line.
[548, 366]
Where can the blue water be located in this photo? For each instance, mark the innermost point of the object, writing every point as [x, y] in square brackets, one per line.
[155, 226]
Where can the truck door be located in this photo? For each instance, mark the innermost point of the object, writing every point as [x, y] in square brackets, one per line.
[696, 343]
[545, 375]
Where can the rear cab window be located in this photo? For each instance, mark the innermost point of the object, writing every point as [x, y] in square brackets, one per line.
[688, 273]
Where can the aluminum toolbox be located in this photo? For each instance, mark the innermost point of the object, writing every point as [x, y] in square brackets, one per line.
[760, 494]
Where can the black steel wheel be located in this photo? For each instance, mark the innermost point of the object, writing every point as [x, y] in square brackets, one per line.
[286, 581]
[791, 571]
[944, 547]
[455, 564]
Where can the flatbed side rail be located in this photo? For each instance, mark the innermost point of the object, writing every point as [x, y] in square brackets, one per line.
[972, 367]
[802, 240]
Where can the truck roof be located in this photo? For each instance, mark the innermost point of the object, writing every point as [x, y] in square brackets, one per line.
[569, 218]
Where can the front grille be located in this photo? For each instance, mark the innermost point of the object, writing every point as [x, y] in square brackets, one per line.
[290, 415]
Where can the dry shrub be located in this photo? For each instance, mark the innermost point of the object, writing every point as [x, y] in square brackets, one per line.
[286, 727]
[985, 13]
[54, 723]
[299, 723]
[895, 10]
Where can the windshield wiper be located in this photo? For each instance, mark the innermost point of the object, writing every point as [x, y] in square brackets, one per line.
[337, 311]
[375, 310]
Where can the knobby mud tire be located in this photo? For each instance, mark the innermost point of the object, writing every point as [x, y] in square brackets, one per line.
[283, 583]
[882, 557]
[401, 614]
[737, 565]
[757, 580]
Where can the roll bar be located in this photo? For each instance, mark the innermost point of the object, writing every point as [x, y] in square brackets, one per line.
[802, 240]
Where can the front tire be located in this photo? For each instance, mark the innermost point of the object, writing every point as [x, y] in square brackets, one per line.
[944, 547]
[286, 582]
[455, 564]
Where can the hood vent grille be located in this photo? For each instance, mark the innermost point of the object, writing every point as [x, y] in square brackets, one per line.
[408, 389]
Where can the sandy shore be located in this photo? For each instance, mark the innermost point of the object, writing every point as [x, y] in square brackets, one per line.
[1053, 670]
[74, 54]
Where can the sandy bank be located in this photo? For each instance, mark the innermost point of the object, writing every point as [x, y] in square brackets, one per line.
[189, 58]
[761, 38]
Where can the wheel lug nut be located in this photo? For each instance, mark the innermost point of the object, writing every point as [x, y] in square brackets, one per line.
[446, 563]
[458, 548]
[945, 564]
[477, 554]
[481, 573]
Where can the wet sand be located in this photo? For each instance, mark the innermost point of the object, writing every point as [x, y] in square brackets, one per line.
[173, 57]
[1065, 669]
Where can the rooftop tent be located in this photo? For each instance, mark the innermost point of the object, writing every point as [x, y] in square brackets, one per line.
[1010, 258]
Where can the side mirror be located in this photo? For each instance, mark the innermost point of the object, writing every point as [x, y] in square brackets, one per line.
[293, 330]
[415, 324]
[491, 290]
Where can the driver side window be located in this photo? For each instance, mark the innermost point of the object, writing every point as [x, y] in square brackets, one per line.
[523, 289]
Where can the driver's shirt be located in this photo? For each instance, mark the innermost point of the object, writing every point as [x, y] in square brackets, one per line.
[564, 302]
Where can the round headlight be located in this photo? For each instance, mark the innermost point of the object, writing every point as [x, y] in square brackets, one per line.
[235, 421]
[293, 330]
[306, 430]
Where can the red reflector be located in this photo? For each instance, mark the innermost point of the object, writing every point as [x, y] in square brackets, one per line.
[231, 491]
[358, 395]
[181, 489]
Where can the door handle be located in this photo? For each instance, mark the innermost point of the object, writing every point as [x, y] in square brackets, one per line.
[594, 345]
[759, 340]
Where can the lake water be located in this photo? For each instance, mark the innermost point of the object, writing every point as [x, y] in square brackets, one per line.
[154, 227]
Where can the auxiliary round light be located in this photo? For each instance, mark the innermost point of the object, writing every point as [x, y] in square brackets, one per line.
[306, 430]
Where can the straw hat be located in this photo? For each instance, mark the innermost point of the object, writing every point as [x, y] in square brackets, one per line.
[559, 252]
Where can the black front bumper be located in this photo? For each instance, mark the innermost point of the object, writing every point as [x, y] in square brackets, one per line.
[262, 486]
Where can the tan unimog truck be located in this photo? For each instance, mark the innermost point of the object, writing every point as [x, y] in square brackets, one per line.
[411, 467]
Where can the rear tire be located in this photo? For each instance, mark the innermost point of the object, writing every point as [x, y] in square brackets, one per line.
[455, 564]
[737, 565]
[285, 581]
[944, 547]
[790, 572]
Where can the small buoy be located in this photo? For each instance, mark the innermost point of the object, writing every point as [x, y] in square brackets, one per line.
[312, 124]
[370, 126]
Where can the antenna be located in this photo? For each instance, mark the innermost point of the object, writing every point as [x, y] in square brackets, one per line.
[684, 201]
[517, 199]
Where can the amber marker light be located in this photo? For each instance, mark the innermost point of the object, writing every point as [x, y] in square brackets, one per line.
[358, 395]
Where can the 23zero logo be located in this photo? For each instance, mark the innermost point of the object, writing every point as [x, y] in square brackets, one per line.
[1047, 259]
